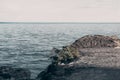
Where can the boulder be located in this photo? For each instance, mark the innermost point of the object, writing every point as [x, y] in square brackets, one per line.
[21, 74]
[96, 41]
[9, 73]
[6, 72]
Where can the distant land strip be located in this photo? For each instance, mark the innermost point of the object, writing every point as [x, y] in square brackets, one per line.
[59, 22]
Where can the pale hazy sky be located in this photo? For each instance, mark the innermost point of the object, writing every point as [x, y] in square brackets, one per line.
[60, 10]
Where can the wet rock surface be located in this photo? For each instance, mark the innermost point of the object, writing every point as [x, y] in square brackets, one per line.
[98, 59]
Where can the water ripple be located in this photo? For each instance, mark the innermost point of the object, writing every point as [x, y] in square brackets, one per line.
[29, 45]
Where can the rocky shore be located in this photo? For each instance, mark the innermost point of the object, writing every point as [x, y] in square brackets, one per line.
[91, 57]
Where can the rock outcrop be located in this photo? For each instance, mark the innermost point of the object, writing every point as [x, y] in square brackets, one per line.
[88, 58]
[71, 52]
[79, 73]
[9, 73]
[96, 41]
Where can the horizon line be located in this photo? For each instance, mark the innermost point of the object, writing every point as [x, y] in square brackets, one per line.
[59, 22]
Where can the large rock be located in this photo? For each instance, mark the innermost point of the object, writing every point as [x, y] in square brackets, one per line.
[9, 73]
[79, 73]
[97, 41]
[21, 74]
[88, 58]
[6, 72]
[71, 52]
[93, 64]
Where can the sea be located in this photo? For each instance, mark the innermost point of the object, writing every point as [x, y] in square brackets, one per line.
[29, 45]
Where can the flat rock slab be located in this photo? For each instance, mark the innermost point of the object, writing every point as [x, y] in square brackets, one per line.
[100, 57]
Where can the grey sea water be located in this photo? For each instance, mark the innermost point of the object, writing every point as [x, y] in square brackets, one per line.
[29, 45]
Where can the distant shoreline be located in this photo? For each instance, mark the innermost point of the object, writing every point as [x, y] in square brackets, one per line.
[59, 22]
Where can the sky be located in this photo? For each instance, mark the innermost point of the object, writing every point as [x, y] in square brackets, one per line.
[59, 10]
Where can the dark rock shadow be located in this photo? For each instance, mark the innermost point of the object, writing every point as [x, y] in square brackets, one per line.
[79, 73]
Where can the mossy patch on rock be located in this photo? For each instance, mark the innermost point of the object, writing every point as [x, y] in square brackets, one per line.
[65, 55]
